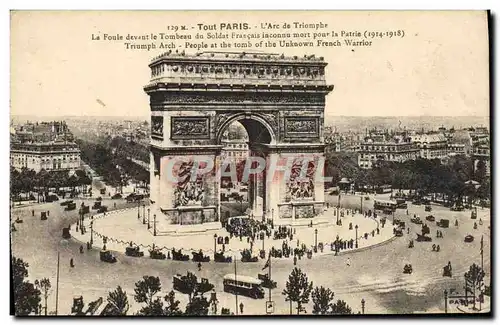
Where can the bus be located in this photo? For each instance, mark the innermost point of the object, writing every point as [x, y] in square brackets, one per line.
[243, 285]
[385, 205]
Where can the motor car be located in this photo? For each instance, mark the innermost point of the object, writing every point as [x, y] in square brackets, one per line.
[469, 239]
[430, 218]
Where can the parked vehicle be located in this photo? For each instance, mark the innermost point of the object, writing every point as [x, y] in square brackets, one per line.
[106, 256]
[220, 258]
[116, 196]
[133, 251]
[243, 285]
[407, 269]
[246, 256]
[428, 208]
[65, 233]
[469, 239]
[64, 203]
[443, 223]
[102, 209]
[96, 205]
[199, 257]
[178, 256]
[430, 218]
[71, 206]
[43, 215]
[416, 220]
[156, 254]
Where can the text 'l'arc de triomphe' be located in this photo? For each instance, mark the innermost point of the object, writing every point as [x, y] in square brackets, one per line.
[194, 98]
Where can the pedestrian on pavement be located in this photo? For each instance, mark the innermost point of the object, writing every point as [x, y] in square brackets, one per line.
[241, 308]
[48, 213]
[32, 213]
[348, 261]
[71, 263]
[199, 266]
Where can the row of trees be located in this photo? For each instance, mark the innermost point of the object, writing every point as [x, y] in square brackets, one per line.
[424, 175]
[27, 180]
[112, 163]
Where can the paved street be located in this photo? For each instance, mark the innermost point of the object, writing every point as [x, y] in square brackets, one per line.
[374, 274]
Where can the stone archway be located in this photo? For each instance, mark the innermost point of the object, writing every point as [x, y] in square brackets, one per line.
[279, 100]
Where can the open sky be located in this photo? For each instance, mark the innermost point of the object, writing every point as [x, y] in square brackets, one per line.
[440, 67]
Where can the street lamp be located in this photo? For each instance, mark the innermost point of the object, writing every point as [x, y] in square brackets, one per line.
[149, 226]
[338, 212]
[144, 214]
[215, 245]
[316, 239]
[154, 224]
[337, 246]
[138, 209]
[263, 235]
[363, 306]
[356, 235]
[91, 232]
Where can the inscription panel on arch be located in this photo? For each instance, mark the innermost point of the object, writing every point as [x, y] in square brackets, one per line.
[301, 127]
[190, 127]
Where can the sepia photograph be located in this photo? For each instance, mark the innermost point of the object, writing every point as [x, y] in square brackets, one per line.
[250, 163]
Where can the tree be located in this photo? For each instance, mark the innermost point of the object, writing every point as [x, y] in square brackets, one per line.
[198, 306]
[341, 308]
[44, 286]
[474, 279]
[298, 288]
[191, 285]
[26, 296]
[145, 291]
[119, 302]
[322, 300]
[172, 305]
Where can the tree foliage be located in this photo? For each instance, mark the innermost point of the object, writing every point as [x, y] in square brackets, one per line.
[119, 301]
[298, 288]
[322, 300]
[26, 295]
[341, 308]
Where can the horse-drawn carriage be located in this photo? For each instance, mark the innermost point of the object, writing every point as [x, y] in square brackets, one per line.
[398, 232]
[106, 256]
[416, 220]
[43, 215]
[97, 205]
[84, 209]
[220, 258]
[102, 209]
[156, 254]
[178, 256]
[133, 251]
[199, 257]
[246, 256]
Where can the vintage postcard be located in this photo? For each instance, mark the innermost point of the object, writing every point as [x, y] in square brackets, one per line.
[244, 163]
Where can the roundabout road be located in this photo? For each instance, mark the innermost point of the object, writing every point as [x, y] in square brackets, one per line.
[374, 274]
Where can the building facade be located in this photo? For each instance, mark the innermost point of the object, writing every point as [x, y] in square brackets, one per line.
[432, 146]
[397, 149]
[47, 145]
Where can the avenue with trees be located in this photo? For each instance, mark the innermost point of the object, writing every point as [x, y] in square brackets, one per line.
[423, 176]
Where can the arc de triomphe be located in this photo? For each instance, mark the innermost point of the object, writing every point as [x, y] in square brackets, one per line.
[193, 98]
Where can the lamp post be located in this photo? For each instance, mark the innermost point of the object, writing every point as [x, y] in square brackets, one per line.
[338, 212]
[337, 246]
[138, 209]
[363, 306]
[356, 227]
[154, 224]
[272, 216]
[91, 232]
[144, 214]
[215, 245]
[149, 226]
[316, 239]
[263, 239]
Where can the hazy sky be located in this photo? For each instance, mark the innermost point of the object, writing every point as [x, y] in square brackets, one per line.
[439, 68]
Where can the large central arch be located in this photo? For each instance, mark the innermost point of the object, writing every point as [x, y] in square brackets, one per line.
[280, 102]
